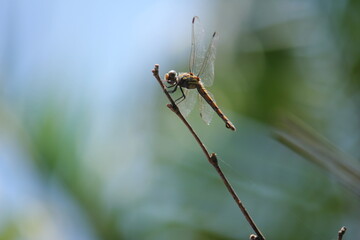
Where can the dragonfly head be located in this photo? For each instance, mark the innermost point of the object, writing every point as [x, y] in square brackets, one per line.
[171, 77]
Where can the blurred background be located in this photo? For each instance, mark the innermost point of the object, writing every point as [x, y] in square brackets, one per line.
[89, 150]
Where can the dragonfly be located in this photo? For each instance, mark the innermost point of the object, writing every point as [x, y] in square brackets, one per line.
[200, 75]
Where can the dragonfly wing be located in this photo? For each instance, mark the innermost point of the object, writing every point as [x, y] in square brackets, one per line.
[197, 46]
[206, 111]
[187, 105]
[206, 72]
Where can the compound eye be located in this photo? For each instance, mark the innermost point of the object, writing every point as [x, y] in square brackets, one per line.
[171, 77]
[172, 74]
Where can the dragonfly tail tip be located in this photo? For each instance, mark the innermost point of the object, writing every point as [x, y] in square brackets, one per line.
[230, 126]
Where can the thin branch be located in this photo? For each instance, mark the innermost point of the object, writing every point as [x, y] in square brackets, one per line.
[307, 142]
[341, 233]
[210, 157]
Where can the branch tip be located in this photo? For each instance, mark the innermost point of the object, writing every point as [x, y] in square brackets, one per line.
[253, 237]
[173, 108]
[213, 159]
[155, 71]
[341, 232]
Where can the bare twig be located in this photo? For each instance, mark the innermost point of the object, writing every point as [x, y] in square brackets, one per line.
[341, 233]
[211, 158]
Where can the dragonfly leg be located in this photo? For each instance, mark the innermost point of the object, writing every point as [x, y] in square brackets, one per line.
[171, 86]
[182, 97]
[174, 90]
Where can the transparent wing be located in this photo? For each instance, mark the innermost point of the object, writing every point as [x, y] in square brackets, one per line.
[197, 46]
[187, 105]
[206, 72]
[206, 111]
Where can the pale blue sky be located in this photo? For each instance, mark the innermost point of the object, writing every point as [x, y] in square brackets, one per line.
[92, 54]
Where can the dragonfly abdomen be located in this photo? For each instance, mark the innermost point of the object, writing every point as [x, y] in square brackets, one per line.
[204, 93]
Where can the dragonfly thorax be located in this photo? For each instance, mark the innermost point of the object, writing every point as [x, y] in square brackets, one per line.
[188, 80]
